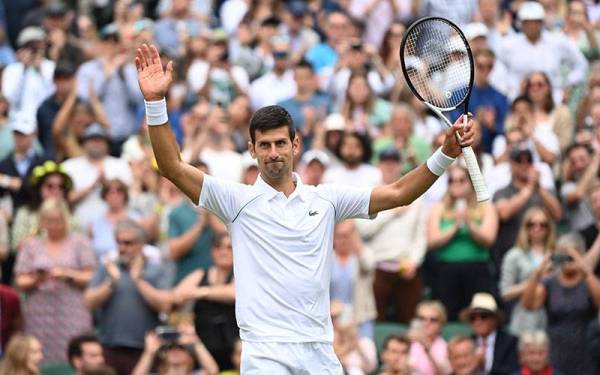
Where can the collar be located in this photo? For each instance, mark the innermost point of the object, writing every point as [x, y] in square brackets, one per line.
[30, 154]
[299, 191]
[490, 339]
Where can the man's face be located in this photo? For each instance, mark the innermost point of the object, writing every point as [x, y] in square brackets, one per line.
[390, 170]
[579, 159]
[92, 357]
[23, 142]
[534, 357]
[483, 323]
[521, 168]
[305, 80]
[483, 67]
[337, 27]
[64, 85]
[351, 151]
[395, 356]
[129, 245]
[462, 357]
[342, 238]
[532, 29]
[274, 152]
[314, 172]
[95, 148]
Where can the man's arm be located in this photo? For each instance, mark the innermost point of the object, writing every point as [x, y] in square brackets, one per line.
[412, 185]
[154, 82]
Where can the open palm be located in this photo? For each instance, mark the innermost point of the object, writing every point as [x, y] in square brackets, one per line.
[154, 81]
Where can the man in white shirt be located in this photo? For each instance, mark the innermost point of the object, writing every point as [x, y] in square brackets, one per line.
[281, 229]
[355, 152]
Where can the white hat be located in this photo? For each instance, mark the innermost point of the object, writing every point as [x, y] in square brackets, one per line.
[318, 155]
[23, 123]
[481, 302]
[248, 161]
[31, 34]
[475, 30]
[335, 121]
[531, 11]
[456, 44]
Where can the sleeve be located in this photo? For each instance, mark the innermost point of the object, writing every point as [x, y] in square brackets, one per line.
[173, 227]
[348, 202]
[575, 60]
[25, 262]
[222, 198]
[12, 78]
[509, 274]
[98, 277]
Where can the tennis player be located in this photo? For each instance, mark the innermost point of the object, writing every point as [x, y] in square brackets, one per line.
[281, 229]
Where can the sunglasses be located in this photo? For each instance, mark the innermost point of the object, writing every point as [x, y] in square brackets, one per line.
[480, 316]
[126, 242]
[540, 224]
[428, 319]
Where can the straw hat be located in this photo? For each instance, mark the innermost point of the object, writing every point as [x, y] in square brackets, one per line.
[482, 303]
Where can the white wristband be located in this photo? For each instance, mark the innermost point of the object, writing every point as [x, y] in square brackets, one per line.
[156, 112]
[439, 162]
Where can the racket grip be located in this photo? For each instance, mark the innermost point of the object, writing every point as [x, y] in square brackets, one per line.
[481, 190]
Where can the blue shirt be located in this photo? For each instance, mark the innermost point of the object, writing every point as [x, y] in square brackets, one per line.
[294, 106]
[487, 97]
[321, 56]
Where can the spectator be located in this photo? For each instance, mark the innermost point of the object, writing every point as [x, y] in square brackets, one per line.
[302, 38]
[534, 347]
[337, 30]
[546, 52]
[463, 356]
[90, 170]
[580, 30]
[23, 356]
[354, 150]
[496, 349]
[28, 81]
[460, 231]
[315, 163]
[51, 271]
[379, 16]
[179, 356]
[172, 31]
[85, 354]
[10, 320]
[428, 351]
[535, 239]
[16, 168]
[352, 277]
[394, 357]
[525, 191]
[239, 112]
[127, 296]
[571, 298]
[212, 292]
[114, 81]
[398, 241]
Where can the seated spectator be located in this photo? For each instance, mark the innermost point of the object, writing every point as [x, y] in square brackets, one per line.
[314, 164]
[52, 269]
[85, 354]
[182, 355]
[496, 349]
[23, 356]
[428, 351]
[534, 347]
[212, 292]
[127, 296]
[398, 241]
[536, 238]
[460, 231]
[571, 297]
[394, 357]
[354, 151]
[463, 356]
[10, 319]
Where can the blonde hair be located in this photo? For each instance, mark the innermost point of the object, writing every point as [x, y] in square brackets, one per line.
[52, 205]
[17, 355]
[536, 338]
[475, 211]
[436, 305]
[523, 234]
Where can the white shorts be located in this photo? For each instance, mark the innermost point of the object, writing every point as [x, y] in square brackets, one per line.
[282, 358]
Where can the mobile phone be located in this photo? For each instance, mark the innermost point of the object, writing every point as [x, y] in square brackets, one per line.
[561, 258]
[167, 334]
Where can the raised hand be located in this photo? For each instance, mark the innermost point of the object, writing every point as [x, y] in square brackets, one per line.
[153, 79]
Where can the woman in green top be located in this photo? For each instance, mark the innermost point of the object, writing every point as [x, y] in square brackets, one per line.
[460, 230]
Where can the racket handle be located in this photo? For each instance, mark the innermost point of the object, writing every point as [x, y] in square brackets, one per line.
[481, 190]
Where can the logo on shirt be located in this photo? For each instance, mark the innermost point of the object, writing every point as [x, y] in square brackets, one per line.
[313, 213]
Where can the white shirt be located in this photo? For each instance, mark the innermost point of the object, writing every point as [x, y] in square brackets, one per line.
[551, 52]
[283, 252]
[26, 89]
[489, 352]
[199, 70]
[365, 175]
[380, 18]
[271, 89]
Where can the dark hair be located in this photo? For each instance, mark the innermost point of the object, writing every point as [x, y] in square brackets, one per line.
[521, 98]
[121, 186]
[304, 64]
[269, 118]
[76, 344]
[548, 105]
[219, 238]
[64, 70]
[365, 143]
[393, 337]
[575, 146]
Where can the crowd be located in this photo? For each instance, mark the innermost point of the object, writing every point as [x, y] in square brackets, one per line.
[107, 266]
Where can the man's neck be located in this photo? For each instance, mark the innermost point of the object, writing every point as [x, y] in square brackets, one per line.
[304, 96]
[286, 185]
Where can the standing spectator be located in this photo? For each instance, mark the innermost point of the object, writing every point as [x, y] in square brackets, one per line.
[398, 241]
[463, 356]
[22, 357]
[378, 16]
[535, 239]
[546, 52]
[85, 354]
[212, 292]
[534, 349]
[580, 172]
[27, 82]
[571, 298]
[10, 319]
[581, 31]
[354, 150]
[52, 270]
[428, 351]
[496, 349]
[302, 37]
[127, 296]
[113, 79]
[172, 32]
[17, 167]
[460, 231]
[90, 170]
[394, 357]
[337, 29]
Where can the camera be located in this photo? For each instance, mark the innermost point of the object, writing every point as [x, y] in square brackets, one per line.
[561, 258]
[168, 334]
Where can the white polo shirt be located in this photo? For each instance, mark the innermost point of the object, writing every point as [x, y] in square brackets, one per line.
[283, 248]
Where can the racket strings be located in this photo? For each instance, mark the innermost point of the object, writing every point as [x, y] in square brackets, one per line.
[438, 63]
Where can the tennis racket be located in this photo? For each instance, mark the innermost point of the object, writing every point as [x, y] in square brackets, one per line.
[437, 64]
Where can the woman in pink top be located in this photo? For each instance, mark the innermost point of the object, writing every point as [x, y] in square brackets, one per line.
[428, 353]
